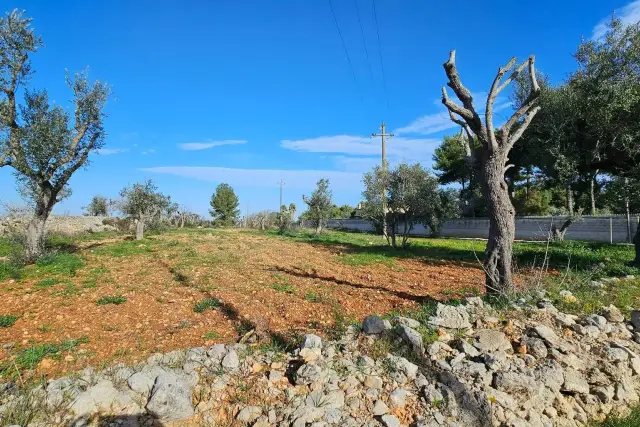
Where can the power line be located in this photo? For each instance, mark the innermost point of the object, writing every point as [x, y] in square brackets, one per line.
[343, 44]
[384, 82]
[364, 42]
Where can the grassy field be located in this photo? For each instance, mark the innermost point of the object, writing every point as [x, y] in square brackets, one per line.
[186, 288]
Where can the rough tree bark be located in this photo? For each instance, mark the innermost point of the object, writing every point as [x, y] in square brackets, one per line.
[139, 229]
[45, 199]
[569, 197]
[592, 192]
[496, 145]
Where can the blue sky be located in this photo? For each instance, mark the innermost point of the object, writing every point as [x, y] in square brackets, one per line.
[249, 92]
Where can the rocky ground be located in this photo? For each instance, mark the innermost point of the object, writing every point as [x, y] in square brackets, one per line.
[528, 366]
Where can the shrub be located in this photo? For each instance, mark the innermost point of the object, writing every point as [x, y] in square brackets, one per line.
[113, 299]
[205, 304]
[7, 321]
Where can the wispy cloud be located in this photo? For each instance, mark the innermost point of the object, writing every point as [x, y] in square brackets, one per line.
[361, 146]
[111, 151]
[301, 179]
[437, 122]
[428, 124]
[193, 146]
[148, 151]
[629, 14]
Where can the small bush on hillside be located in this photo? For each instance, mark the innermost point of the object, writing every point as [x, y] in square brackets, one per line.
[113, 299]
[6, 321]
[205, 304]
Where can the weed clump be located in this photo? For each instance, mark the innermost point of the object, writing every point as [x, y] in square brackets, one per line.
[205, 304]
[113, 299]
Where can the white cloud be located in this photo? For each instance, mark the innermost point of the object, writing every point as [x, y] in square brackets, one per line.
[428, 124]
[192, 146]
[110, 151]
[361, 146]
[301, 179]
[630, 14]
[437, 122]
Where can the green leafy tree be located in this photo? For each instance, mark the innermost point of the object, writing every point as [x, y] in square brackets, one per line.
[44, 144]
[445, 204]
[143, 203]
[99, 206]
[341, 212]
[319, 204]
[224, 206]
[413, 197]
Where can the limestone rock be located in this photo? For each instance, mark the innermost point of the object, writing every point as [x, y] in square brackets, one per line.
[375, 325]
[490, 340]
[171, 398]
[451, 317]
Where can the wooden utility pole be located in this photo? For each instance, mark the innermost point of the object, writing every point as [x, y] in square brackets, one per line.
[383, 135]
[282, 183]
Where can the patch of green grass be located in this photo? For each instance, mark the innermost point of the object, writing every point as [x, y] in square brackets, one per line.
[59, 264]
[282, 285]
[211, 335]
[68, 291]
[29, 357]
[361, 248]
[205, 304]
[631, 420]
[7, 320]
[126, 248]
[313, 297]
[113, 299]
[623, 293]
[47, 283]
[10, 270]
[90, 282]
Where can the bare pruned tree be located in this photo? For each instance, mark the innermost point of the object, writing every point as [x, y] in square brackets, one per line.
[496, 145]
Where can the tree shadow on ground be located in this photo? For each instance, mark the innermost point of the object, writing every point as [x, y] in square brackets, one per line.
[582, 256]
[420, 299]
[112, 420]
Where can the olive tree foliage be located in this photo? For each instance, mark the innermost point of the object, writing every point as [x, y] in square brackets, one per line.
[413, 197]
[319, 205]
[496, 145]
[98, 206]
[143, 203]
[224, 206]
[286, 217]
[43, 143]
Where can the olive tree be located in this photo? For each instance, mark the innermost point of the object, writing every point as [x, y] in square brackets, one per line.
[99, 206]
[144, 203]
[319, 204]
[43, 143]
[412, 196]
[495, 147]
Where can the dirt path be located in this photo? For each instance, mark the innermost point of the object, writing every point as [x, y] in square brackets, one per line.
[276, 285]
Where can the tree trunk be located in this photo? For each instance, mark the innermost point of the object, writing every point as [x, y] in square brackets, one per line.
[140, 229]
[36, 227]
[592, 192]
[35, 237]
[569, 197]
[181, 221]
[498, 255]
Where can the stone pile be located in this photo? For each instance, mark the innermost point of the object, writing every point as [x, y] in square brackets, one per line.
[533, 366]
